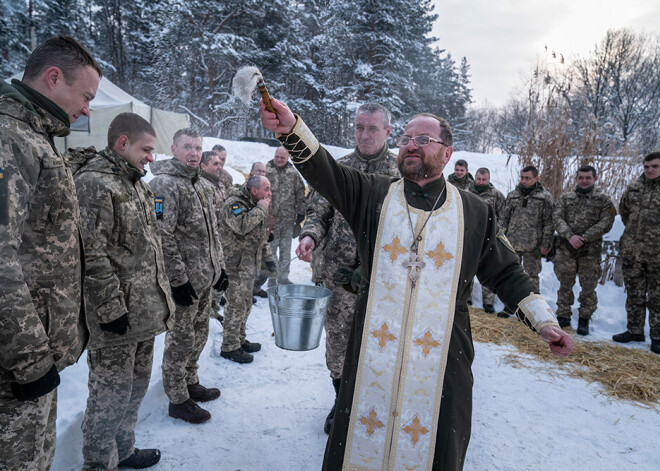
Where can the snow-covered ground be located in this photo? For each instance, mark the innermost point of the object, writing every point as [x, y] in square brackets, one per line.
[271, 412]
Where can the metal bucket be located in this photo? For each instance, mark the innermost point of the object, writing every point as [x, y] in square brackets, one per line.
[298, 312]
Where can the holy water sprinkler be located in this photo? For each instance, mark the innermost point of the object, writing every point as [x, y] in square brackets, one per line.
[244, 83]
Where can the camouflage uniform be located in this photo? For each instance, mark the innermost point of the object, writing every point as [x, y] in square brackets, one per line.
[243, 228]
[590, 216]
[461, 183]
[335, 248]
[219, 197]
[496, 200]
[42, 318]
[288, 201]
[125, 275]
[226, 180]
[640, 253]
[527, 223]
[192, 250]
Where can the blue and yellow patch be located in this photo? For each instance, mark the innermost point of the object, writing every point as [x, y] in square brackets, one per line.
[2, 173]
[236, 209]
[159, 206]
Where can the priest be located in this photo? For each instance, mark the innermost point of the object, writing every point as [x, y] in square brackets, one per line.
[405, 401]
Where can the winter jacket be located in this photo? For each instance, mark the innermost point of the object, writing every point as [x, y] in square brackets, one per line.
[640, 212]
[527, 220]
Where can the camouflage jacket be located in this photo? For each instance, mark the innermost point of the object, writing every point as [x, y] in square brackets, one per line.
[527, 219]
[333, 237]
[226, 180]
[123, 252]
[640, 212]
[244, 235]
[588, 215]
[42, 317]
[492, 196]
[288, 190]
[219, 193]
[188, 228]
[461, 183]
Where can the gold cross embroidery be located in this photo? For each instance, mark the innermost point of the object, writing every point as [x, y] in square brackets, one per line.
[439, 255]
[415, 430]
[383, 335]
[395, 248]
[371, 422]
[427, 342]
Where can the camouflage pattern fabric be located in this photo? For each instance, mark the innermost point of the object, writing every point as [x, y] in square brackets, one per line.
[531, 263]
[527, 220]
[184, 343]
[461, 183]
[219, 192]
[335, 248]
[589, 215]
[124, 257]
[27, 430]
[118, 380]
[640, 253]
[243, 227]
[288, 201]
[226, 180]
[188, 227]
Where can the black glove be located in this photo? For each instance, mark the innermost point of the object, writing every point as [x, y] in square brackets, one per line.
[271, 267]
[37, 388]
[349, 277]
[297, 229]
[118, 326]
[300, 218]
[223, 282]
[183, 295]
[271, 237]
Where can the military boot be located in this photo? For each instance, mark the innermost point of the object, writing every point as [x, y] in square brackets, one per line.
[489, 309]
[189, 411]
[141, 459]
[239, 356]
[655, 346]
[627, 336]
[564, 321]
[583, 326]
[250, 347]
[199, 393]
[331, 416]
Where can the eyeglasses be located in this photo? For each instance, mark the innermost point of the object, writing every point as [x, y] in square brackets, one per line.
[420, 141]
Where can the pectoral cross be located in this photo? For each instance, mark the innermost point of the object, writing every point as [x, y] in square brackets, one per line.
[413, 264]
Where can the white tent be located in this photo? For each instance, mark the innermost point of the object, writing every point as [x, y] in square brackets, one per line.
[111, 100]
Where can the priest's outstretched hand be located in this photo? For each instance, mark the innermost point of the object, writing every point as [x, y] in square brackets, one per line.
[559, 341]
[305, 249]
[282, 121]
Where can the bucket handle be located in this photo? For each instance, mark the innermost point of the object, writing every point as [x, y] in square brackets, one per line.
[277, 279]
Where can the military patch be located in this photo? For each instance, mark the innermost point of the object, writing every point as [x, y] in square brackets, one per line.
[159, 206]
[612, 210]
[502, 238]
[236, 209]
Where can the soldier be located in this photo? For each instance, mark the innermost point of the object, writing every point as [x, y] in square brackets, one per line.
[527, 223]
[225, 176]
[339, 267]
[258, 168]
[581, 218]
[193, 261]
[244, 218]
[640, 249]
[270, 269]
[42, 322]
[491, 195]
[128, 295]
[461, 178]
[288, 208]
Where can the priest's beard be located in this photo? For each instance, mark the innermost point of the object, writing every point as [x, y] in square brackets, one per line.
[423, 169]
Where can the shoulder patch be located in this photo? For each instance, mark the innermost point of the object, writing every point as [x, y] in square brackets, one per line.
[236, 209]
[502, 238]
[159, 206]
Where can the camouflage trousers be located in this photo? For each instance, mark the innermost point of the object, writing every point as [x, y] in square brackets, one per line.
[118, 380]
[338, 322]
[642, 280]
[567, 267]
[237, 310]
[27, 429]
[281, 248]
[531, 263]
[183, 346]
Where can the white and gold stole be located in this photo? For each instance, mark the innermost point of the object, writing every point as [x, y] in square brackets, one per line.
[403, 355]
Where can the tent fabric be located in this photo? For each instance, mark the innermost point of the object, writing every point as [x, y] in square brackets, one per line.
[110, 100]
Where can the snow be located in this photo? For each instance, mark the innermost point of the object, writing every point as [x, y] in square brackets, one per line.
[271, 412]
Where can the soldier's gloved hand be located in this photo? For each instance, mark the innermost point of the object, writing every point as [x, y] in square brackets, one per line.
[183, 295]
[271, 237]
[119, 326]
[37, 388]
[300, 218]
[223, 282]
[349, 277]
[271, 267]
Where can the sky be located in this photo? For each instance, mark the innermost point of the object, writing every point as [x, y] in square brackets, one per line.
[502, 39]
